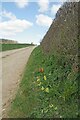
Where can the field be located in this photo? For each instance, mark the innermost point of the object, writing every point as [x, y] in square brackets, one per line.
[49, 88]
[4, 47]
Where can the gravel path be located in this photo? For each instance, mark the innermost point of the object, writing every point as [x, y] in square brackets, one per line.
[13, 65]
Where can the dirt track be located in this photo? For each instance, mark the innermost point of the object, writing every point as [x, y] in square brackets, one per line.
[13, 64]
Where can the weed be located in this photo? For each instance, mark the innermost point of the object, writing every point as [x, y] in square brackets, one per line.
[48, 89]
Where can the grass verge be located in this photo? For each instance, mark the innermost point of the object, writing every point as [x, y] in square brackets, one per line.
[4, 47]
[49, 88]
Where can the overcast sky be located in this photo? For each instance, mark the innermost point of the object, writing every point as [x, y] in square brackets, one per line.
[27, 21]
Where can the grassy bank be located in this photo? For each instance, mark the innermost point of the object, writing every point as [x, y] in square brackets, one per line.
[4, 47]
[48, 89]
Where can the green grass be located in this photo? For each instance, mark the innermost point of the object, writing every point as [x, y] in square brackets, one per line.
[4, 47]
[59, 100]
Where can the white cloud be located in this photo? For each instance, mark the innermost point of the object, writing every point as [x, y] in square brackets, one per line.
[21, 3]
[43, 20]
[55, 8]
[44, 5]
[13, 25]
[8, 15]
[17, 25]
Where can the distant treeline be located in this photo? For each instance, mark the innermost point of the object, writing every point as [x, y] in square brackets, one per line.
[6, 41]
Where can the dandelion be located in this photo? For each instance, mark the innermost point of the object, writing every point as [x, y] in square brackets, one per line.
[42, 88]
[44, 77]
[47, 90]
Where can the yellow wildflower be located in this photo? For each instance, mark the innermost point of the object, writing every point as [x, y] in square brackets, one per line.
[44, 77]
[42, 88]
[47, 90]
[51, 105]
[38, 80]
